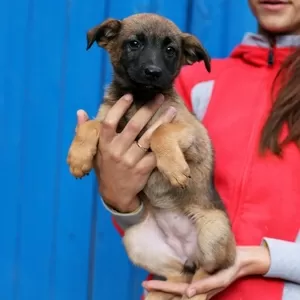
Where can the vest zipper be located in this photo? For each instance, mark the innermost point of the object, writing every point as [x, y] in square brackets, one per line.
[271, 55]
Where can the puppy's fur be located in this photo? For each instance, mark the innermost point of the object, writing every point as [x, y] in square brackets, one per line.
[185, 233]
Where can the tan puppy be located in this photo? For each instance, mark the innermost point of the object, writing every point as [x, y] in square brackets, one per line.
[185, 233]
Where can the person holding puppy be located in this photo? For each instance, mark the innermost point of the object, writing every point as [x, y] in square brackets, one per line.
[250, 104]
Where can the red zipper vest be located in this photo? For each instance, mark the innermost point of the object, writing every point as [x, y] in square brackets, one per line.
[262, 194]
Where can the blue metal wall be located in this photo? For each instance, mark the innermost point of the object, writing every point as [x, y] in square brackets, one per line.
[56, 241]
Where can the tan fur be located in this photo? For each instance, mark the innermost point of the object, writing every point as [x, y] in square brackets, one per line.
[184, 165]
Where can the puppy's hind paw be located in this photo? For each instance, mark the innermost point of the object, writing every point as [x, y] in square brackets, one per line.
[197, 297]
[161, 296]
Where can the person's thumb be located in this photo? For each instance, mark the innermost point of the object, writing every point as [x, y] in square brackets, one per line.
[82, 117]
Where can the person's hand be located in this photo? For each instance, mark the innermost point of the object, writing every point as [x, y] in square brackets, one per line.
[253, 260]
[122, 165]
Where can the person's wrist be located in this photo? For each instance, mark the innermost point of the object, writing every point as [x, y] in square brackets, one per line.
[253, 260]
[129, 207]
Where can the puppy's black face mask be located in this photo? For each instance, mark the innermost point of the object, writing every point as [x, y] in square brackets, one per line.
[147, 51]
[150, 62]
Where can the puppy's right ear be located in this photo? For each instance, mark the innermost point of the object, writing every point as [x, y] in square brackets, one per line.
[194, 51]
[103, 33]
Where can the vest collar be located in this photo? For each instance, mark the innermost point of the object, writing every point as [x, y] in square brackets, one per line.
[285, 41]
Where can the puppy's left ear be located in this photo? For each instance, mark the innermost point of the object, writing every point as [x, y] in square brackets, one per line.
[103, 33]
[193, 51]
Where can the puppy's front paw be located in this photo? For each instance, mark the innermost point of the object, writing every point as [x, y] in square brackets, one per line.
[177, 172]
[83, 149]
[161, 296]
[80, 158]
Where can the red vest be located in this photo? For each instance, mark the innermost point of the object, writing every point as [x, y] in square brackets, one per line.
[262, 194]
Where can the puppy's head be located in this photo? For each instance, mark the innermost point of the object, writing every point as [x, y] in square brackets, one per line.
[147, 50]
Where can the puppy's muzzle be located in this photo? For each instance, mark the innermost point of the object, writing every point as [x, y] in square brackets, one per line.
[152, 72]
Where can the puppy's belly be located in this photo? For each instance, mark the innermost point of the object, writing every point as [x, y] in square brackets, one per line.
[179, 233]
[162, 243]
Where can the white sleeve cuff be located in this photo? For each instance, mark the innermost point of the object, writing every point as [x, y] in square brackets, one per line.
[285, 260]
[126, 220]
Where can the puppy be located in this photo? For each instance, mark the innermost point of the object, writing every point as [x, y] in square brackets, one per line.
[185, 233]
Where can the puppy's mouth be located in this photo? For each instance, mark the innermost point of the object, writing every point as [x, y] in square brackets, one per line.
[149, 87]
[144, 84]
[141, 84]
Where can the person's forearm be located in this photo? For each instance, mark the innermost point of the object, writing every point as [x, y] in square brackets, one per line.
[273, 259]
[253, 260]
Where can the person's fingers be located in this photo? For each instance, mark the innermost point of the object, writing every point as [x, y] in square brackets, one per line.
[165, 286]
[137, 123]
[82, 117]
[167, 117]
[146, 164]
[112, 119]
[209, 284]
[140, 148]
[200, 287]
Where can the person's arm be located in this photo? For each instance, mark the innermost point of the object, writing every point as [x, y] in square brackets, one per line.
[285, 260]
[274, 259]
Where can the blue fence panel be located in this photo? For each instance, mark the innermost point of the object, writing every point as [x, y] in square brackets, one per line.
[57, 241]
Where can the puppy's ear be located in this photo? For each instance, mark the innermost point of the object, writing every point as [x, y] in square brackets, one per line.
[193, 51]
[103, 33]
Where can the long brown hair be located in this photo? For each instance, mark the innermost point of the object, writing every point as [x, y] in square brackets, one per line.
[286, 107]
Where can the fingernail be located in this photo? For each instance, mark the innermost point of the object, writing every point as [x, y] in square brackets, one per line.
[145, 286]
[160, 99]
[82, 115]
[81, 111]
[171, 111]
[127, 97]
[191, 293]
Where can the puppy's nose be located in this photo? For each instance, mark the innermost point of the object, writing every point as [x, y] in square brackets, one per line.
[153, 72]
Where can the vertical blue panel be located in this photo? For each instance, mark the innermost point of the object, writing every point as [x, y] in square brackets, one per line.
[12, 90]
[57, 241]
[221, 24]
[239, 20]
[72, 247]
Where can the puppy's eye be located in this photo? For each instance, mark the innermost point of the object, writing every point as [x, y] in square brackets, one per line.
[134, 45]
[170, 51]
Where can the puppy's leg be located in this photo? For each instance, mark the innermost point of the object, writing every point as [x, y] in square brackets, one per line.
[215, 238]
[84, 145]
[156, 295]
[83, 148]
[161, 296]
[199, 275]
[168, 142]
